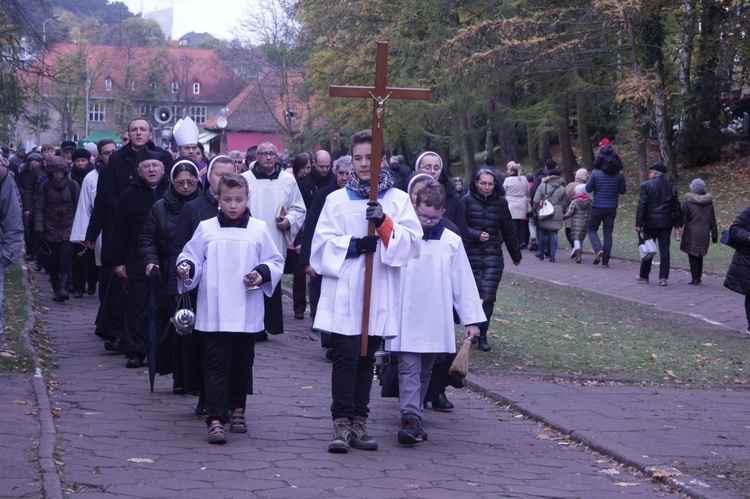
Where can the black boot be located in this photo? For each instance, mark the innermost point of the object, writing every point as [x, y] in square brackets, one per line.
[483, 345]
[64, 281]
[55, 281]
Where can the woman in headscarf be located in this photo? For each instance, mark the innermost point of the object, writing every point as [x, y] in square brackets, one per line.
[431, 163]
[700, 222]
[157, 252]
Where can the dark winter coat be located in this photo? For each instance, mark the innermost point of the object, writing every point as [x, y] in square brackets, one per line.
[608, 161]
[157, 239]
[311, 221]
[606, 187]
[311, 183]
[553, 187]
[488, 214]
[133, 208]
[658, 205]
[31, 181]
[700, 222]
[78, 174]
[114, 177]
[55, 208]
[738, 275]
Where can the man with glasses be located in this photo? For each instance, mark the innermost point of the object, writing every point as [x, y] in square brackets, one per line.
[239, 160]
[275, 198]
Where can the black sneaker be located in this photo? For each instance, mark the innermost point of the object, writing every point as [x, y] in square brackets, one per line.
[411, 430]
[340, 441]
[358, 437]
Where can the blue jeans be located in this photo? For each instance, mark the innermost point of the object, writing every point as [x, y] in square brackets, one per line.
[543, 235]
[663, 237]
[597, 217]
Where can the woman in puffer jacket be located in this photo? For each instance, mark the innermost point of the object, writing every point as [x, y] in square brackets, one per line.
[489, 225]
[552, 188]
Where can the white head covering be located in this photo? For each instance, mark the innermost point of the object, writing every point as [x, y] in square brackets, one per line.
[91, 147]
[416, 178]
[213, 160]
[184, 162]
[185, 132]
[419, 159]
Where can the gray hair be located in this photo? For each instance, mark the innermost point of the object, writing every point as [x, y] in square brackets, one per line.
[236, 155]
[342, 161]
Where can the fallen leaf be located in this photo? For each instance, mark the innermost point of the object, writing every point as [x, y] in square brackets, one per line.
[663, 472]
[609, 472]
[627, 484]
[21, 402]
[671, 374]
[306, 387]
[721, 476]
[474, 484]
[141, 460]
[542, 436]
[413, 486]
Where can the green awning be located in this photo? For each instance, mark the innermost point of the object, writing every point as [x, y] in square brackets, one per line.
[99, 135]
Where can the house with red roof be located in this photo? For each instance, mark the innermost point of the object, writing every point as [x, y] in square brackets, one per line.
[126, 82]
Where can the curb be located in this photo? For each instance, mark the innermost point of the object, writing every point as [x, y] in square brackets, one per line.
[690, 486]
[51, 482]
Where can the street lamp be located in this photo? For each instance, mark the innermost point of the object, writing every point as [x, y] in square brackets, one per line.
[41, 81]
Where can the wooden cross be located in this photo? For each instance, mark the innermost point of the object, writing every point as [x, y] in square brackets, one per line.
[380, 93]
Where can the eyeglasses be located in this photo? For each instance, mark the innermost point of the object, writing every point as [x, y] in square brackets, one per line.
[106, 153]
[428, 218]
[185, 183]
[486, 184]
[267, 154]
[429, 168]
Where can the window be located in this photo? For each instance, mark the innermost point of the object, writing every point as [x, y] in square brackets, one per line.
[196, 88]
[175, 87]
[144, 110]
[108, 84]
[96, 112]
[198, 114]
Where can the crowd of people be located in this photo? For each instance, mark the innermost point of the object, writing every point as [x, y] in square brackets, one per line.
[148, 228]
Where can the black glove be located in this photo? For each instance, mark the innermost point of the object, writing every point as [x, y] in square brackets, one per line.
[367, 244]
[374, 212]
[155, 273]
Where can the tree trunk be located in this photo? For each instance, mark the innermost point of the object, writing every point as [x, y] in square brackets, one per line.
[506, 133]
[566, 148]
[584, 138]
[466, 144]
[686, 56]
[637, 120]
[545, 151]
[488, 142]
[533, 147]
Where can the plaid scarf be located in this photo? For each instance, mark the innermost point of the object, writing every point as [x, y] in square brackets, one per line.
[385, 182]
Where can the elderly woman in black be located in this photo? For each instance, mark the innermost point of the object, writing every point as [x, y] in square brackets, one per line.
[738, 275]
[157, 252]
[489, 225]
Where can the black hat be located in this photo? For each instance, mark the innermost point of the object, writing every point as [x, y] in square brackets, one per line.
[158, 154]
[6, 151]
[67, 144]
[81, 153]
[34, 156]
[659, 168]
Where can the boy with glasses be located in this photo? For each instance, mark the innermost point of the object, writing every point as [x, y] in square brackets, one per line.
[431, 288]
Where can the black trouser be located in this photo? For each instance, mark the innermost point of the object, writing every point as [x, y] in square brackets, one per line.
[85, 270]
[351, 376]
[137, 318]
[662, 235]
[696, 267]
[110, 319]
[313, 289]
[274, 314]
[522, 229]
[227, 366]
[488, 307]
[60, 259]
[747, 310]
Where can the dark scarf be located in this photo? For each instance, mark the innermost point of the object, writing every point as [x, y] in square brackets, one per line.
[239, 223]
[260, 174]
[385, 182]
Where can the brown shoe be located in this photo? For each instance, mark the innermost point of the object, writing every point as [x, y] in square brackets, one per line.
[662, 282]
[598, 257]
[641, 280]
[578, 256]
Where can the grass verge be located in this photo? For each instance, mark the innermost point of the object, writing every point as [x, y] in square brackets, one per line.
[13, 354]
[541, 327]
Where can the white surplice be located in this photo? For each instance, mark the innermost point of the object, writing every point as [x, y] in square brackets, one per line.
[265, 198]
[342, 286]
[222, 256]
[83, 213]
[430, 288]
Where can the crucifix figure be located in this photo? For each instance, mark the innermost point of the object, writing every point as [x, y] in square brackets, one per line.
[380, 93]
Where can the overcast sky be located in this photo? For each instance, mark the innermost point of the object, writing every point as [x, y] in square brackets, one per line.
[217, 17]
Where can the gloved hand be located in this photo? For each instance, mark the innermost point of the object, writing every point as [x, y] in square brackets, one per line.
[155, 273]
[367, 244]
[374, 212]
